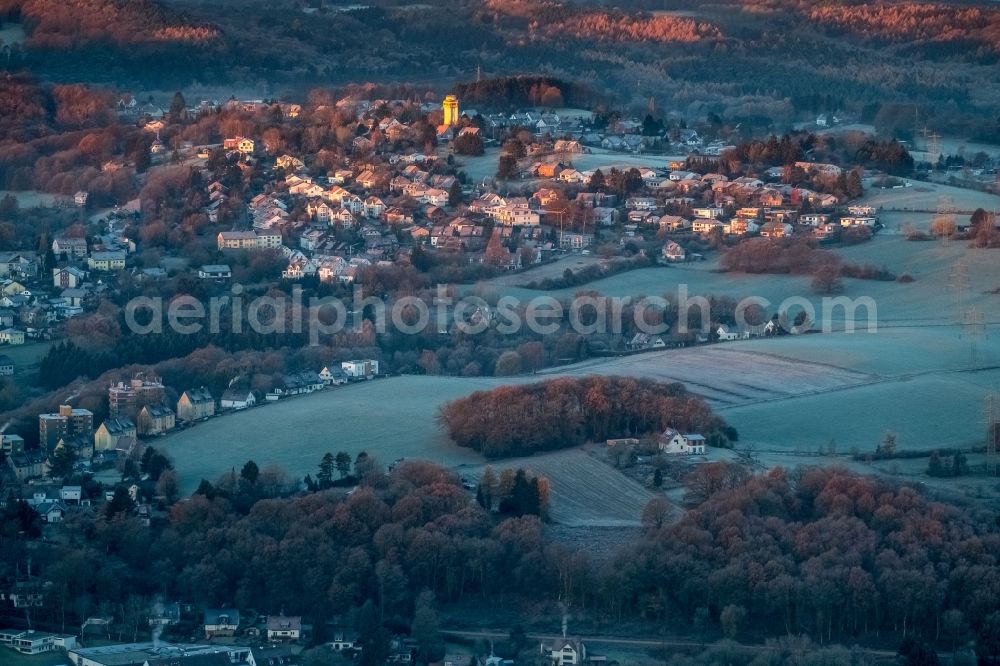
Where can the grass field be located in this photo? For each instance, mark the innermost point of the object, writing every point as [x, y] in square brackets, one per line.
[389, 419]
[927, 196]
[34, 198]
[11, 33]
[485, 165]
[26, 357]
[586, 492]
[922, 374]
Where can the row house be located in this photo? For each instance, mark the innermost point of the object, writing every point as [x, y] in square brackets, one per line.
[195, 404]
[155, 420]
[72, 248]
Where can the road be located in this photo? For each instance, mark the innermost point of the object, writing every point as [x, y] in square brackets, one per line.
[622, 641]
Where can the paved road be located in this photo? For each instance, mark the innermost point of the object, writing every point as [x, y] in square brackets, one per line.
[628, 642]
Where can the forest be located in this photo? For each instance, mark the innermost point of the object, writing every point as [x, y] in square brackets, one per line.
[756, 66]
[57, 24]
[821, 553]
[560, 413]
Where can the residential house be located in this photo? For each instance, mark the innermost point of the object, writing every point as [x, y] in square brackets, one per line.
[221, 622]
[374, 207]
[564, 652]
[814, 219]
[27, 464]
[674, 223]
[343, 639]
[706, 226]
[215, 272]
[859, 221]
[109, 434]
[164, 615]
[195, 404]
[155, 420]
[289, 163]
[708, 212]
[35, 642]
[240, 144]
[672, 251]
[672, 442]
[571, 176]
[109, 260]
[273, 655]
[237, 240]
[282, 628]
[726, 335]
[740, 226]
[641, 203]
[237, 399]
[514, 217]
[18, 264]
[641, 341]
[67, 278]
[776, 230]
[360, 369]
[72, 248]
[333, 375]
[604, 216]
[575, 241]
[6, 365]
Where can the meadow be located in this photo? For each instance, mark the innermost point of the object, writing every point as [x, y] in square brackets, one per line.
[923, 373]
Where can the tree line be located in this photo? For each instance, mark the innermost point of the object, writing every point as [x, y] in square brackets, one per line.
[816, 552]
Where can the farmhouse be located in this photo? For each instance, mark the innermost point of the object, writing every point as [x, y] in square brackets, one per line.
[672, 442]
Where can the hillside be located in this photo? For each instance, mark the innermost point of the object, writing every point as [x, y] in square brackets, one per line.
[756, 64]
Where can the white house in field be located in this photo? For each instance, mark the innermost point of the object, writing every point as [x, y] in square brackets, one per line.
[672, 442]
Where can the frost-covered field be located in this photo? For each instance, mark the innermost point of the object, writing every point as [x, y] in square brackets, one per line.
[485, 165]
[388, 418]
[927, 196]
[921, 374]
[586, 492]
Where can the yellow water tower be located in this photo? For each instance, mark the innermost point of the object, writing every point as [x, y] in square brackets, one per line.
[450, 106]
